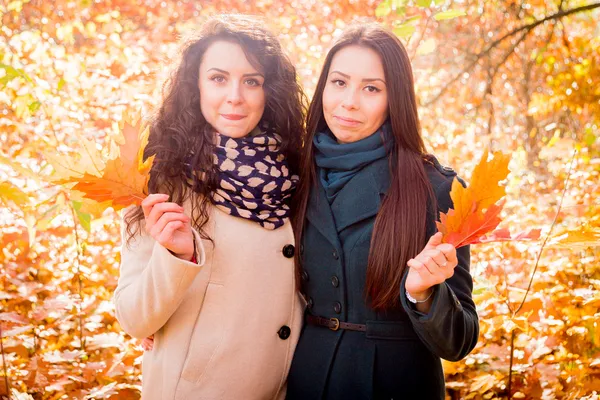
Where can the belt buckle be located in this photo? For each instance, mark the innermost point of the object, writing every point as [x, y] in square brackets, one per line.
[336, 322]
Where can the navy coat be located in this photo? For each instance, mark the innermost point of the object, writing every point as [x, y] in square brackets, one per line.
[398, 357]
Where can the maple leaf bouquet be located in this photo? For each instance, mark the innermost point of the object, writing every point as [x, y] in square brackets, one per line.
[119, 181]
[476, 209]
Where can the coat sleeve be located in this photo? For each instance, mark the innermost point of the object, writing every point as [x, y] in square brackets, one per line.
[152, 283]
[451, 328]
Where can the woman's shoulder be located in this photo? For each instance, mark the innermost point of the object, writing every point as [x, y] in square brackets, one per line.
[439, 174]
[441, 178]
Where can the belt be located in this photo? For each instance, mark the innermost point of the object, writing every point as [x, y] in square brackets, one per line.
[387, 330]
[334, 324]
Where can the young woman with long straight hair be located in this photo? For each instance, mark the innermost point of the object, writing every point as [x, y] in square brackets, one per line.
[386, 298]
[207, 265]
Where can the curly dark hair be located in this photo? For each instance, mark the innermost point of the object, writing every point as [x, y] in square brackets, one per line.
[180, 136]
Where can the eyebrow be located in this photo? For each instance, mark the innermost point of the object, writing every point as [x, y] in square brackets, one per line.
[364, 80]
[227, 73]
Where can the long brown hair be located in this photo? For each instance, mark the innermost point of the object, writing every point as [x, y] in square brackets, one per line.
[180, 136]
[399, 231]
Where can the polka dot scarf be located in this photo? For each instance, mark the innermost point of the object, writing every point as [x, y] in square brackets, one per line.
[254, 180]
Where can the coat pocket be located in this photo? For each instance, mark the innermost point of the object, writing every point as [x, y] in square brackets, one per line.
[206, 337]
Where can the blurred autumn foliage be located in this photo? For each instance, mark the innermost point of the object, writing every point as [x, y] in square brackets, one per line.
[521, 77]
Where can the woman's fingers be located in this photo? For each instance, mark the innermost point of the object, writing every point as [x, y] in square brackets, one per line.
[449, 251]
[441, 270]
[434, 241]
[151, 200]
[437, 256]
[165, 237]
[159, 209]
[148, 343]
[420, 268]
[160, 225]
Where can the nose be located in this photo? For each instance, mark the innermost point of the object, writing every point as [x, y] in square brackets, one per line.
[234, 96]
[351, 100]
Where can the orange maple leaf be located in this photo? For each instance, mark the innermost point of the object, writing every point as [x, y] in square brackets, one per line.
[476, 212]
[124, 179]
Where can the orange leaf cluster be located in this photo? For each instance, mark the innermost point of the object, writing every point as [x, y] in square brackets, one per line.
[477, 208]
[124, 179]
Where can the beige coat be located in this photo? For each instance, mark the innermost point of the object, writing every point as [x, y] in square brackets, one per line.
[216, 324]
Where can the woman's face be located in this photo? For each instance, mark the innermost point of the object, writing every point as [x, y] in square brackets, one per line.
[355, 101]
[232, 97]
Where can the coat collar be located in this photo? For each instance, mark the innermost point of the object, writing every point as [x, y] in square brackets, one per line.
[358, 200]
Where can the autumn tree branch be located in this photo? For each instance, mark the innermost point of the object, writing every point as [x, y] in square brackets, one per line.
[79, 282]
[526, 28]
[537, 261]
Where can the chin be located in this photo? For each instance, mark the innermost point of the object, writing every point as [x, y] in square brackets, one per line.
[344, 137]
[232, 132]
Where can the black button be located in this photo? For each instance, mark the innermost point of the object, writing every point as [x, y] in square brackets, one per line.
[310, 303]
[284, 332]
[335, 281]
[288, 251]
[301, 249]
[337, 307]
[305, 276]
[335, 255]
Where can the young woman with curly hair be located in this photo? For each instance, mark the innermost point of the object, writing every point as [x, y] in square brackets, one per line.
[207, 265]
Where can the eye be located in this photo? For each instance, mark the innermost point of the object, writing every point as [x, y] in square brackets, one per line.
[372, 89]
[252, 82]
[338, 82]
[217, 78]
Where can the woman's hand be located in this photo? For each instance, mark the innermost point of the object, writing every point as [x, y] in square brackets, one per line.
[432, 266]
[168, 225]
[148, 343]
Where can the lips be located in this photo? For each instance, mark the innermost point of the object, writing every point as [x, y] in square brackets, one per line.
[346, 121]
[233, 117]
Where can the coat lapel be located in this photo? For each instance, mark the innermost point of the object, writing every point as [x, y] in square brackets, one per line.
[319, 214]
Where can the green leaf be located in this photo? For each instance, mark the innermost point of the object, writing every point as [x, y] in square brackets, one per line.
[405, 30]
[34, 106]
[85, 219]
[450, 14]
[438, 2]
[383, 9]
[589, 139]
[400, 11]
[61, 84]
[412, 19]
[10, 74]
[424, 3]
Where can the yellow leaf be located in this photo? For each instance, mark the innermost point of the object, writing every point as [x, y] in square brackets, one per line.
[586, 236]
[86, 160]
[11, 193]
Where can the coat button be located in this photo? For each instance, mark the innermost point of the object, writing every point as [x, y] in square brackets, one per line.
[335, 281]
[337, 307]
[336, 255]
[301, 249]
[288, 251]
[304, 276]
[284, 332]
[310, 303]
